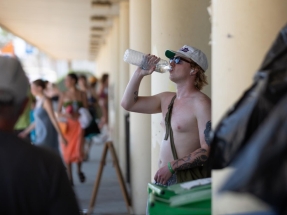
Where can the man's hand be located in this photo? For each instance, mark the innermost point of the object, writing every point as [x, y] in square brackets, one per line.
[149, 65]
[162, 175]
[131, 100]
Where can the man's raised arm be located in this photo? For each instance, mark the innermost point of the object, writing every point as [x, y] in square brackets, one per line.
[134, 103]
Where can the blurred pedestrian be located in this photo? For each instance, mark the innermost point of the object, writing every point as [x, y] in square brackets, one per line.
[32, 119]
[92, 130]
[33, 180]
[45, 124]
[24, 120]
[92, 99]
[69, 105]
[52, 92]
[103, 99]
[93, 81]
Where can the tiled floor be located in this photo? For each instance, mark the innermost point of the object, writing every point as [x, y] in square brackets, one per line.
[109, 200]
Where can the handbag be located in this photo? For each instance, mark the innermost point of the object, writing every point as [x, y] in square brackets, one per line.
[187, 174]
[85, 117]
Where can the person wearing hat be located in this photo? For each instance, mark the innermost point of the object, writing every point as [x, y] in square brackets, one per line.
[186, 114]
[33, 180]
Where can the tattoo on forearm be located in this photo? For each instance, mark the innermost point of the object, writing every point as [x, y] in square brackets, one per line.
[136, 95]
[198, 158]
[206, 132]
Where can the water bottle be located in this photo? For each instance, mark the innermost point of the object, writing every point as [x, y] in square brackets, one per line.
[138, 59]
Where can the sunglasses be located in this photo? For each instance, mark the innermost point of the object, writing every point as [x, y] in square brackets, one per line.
[178, 59]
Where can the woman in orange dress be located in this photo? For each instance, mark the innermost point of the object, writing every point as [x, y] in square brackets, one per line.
[69, 104]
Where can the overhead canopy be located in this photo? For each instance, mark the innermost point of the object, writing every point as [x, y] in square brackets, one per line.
[64, 29]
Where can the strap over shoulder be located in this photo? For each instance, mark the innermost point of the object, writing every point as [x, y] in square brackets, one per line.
[168, 128]
[168, 118]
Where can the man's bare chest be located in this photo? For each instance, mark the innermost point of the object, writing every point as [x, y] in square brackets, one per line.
[182, 118]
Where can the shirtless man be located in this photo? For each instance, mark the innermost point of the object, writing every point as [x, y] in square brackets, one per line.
[191, 114]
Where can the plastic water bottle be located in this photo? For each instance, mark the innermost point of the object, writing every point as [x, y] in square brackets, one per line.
[138, 59]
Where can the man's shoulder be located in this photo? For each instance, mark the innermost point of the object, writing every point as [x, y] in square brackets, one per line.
[11, 145]
[22, 157]
[201, 99]
[165, 98]
[45, 156]
[201, 105]
[31, 172]
[166, 95]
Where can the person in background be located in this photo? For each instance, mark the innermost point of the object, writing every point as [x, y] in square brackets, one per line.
[93, 82]
[52, 92]
[93, 129]
[32, 119]
[70, 102]
[24, 120]
[33, 180]
[103, 99]
[91, 94]
[45, 124]
[94, 86]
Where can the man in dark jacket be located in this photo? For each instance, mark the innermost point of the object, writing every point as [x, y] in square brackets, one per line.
[33, 180]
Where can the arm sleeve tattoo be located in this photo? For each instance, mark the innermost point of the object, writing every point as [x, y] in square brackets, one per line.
[136, 95]
[196, 158]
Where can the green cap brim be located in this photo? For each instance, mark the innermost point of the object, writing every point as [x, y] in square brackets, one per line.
[169, 54]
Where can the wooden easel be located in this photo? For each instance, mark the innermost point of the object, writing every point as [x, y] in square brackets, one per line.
[109, 146]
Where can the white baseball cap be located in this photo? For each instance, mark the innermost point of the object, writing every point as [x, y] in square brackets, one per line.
[190, 52]
[14, 84]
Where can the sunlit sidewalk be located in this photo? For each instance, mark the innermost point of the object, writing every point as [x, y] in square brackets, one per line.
[109, 200]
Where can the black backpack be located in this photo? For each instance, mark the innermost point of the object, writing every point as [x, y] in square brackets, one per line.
[252, 136]
[243, 119]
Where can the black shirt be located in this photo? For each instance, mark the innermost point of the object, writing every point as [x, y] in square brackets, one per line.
[33, 180]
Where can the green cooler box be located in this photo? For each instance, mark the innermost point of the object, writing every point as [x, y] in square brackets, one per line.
[189, 198]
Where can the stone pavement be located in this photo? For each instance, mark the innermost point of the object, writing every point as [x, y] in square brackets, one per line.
[110, 200]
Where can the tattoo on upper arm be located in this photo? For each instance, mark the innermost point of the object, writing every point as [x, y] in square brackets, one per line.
[136, 95]
[207, 132]
[190, 161]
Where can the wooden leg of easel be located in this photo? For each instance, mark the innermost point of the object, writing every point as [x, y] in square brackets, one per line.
[97, 182]
[120, 176]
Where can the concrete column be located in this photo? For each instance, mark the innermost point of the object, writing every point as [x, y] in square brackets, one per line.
[114, 85]
[242, 33]
[174, 24]
[140, 124]
[123, 80]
